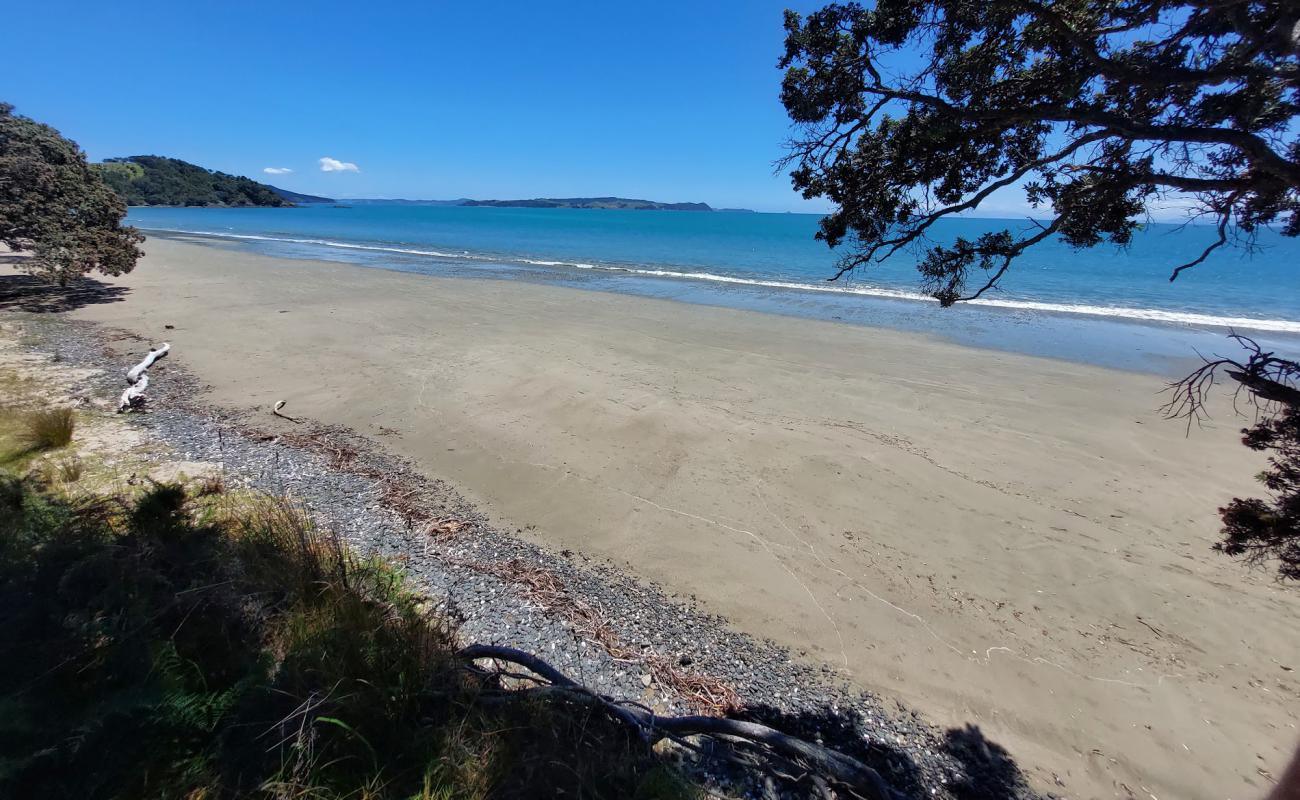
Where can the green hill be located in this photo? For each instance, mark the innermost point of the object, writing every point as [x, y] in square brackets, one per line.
[161, 181]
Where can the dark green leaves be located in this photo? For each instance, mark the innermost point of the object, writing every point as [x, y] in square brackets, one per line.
[161, 181]
[53, 203]
[916, 109]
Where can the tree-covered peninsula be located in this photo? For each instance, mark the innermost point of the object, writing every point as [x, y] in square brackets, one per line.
[161, 181]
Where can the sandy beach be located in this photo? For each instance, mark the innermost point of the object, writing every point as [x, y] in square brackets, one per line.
[1016, 543]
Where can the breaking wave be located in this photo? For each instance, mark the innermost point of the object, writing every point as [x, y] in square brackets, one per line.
[1118, 312]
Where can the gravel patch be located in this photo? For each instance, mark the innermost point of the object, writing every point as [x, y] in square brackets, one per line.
[343, 495]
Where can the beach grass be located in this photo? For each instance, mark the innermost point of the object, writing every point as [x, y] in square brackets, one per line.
[217, 644]
[49, 429]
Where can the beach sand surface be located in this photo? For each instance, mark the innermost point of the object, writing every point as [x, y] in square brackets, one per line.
[996, 540]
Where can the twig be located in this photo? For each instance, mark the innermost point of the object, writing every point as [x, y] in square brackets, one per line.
[276, 411]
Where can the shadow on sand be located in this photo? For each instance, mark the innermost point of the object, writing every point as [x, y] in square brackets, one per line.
[984, 769]
[20, 292]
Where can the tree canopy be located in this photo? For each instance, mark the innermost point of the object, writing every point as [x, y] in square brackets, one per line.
[913, 110]
[53, 203]
[162, 181]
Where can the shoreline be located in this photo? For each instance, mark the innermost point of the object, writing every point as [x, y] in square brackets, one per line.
[1149, 340]
[974, 532]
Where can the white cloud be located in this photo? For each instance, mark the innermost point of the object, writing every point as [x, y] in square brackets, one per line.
[276, 170]
[328, 164]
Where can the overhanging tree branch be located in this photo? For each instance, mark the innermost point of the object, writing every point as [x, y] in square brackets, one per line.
[1117, 124]
[1010, 255]
[1225, 216]
[1094, 109]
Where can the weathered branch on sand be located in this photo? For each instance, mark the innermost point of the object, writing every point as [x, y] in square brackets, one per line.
[137, 379]
[135, 373]
[846, 771]
[276, 411]
[133, 397]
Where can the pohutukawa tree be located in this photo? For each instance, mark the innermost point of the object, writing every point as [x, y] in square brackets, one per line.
[53, 203]
[915, 110]
[1097, 110]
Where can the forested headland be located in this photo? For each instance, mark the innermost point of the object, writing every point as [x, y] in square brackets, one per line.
[161, 181]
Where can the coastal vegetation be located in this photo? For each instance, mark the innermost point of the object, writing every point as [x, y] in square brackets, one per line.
[161, 181]
[1098, 113]
[49, 428]
[195, 644]
[54, 204]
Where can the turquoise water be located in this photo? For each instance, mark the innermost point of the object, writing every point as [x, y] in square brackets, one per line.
[1120, 303]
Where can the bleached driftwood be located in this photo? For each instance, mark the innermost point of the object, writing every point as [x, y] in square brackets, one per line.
[276, 411]
[133, 397]
[135, 373]
[138, 379]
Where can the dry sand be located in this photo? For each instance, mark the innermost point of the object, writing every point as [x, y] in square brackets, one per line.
[1017, 543]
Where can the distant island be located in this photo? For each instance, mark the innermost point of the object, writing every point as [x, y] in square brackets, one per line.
[162, 181]
[397, 201]
[620, 203]
[590, 202]
[298, 198]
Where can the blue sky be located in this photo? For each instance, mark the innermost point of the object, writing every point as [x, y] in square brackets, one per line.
[668, 101]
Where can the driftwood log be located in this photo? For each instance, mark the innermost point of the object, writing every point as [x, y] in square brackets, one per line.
[137, 379]
[830, 765]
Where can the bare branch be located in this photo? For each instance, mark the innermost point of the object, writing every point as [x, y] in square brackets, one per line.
[1167, 75]
[835, 766]
[1010, 256]
[1268, 378]
[1251, 145]
[979, 197]
[1215, 245]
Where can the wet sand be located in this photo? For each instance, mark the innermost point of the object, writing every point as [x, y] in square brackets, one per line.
[1017, 543]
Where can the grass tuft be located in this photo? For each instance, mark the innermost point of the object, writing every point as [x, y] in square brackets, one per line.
[210, 486]
[49, 429]
[71, 469]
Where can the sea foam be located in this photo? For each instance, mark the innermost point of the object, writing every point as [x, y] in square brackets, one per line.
[1117, 312]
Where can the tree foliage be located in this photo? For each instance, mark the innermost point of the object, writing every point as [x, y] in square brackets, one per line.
[161, 181]
[1259, 530]
[1096, 109]
[53, 203]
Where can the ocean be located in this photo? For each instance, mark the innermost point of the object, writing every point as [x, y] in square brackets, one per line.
[1103, 305]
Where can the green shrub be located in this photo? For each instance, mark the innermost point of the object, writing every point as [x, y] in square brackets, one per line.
[223, 647]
